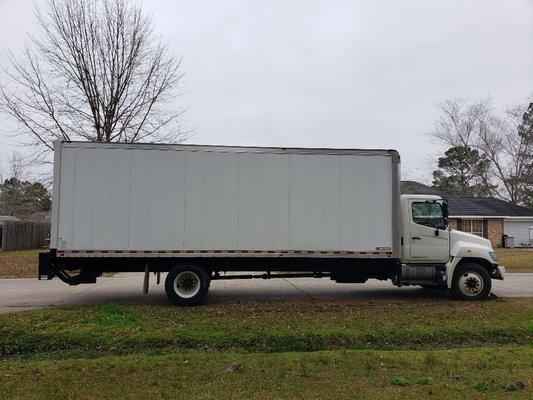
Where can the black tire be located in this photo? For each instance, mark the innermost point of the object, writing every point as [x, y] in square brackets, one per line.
[187, 284]
[471, 282]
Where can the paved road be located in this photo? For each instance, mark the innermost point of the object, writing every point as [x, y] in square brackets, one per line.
[126, 288]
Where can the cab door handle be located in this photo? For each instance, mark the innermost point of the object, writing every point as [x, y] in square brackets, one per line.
[416, 238]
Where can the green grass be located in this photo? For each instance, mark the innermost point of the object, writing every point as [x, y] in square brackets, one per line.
[516, 260]
[267, 327]
[406, 349]
[473, 373]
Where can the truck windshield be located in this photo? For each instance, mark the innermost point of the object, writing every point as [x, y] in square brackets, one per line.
[428, 213]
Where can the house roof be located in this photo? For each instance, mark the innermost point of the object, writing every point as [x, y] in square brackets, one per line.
[470, 206]
[487, 207]
[39, 216]
[8, 218]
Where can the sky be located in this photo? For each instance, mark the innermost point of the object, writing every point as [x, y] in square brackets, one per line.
[331, 73]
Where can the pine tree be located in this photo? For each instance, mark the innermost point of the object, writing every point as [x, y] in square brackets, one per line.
[463, 172]
[23, 198]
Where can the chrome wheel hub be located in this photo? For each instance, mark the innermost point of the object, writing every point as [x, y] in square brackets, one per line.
[471, 284]
[187, 284]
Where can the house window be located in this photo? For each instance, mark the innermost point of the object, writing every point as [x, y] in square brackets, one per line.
[474, 226]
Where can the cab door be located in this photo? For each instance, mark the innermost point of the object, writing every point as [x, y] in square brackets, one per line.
[429, 236]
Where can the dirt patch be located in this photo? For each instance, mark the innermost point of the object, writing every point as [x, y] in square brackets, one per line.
[19, 264]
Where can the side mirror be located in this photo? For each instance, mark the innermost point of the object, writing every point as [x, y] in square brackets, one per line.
[445, 210]
[436, 232]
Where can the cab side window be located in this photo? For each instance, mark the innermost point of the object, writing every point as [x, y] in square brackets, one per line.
[429, 214]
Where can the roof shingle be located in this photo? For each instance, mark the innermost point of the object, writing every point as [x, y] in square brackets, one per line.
[471, 206]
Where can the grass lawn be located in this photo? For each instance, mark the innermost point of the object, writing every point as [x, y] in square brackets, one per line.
[516, 260]
[487, 373]
[305, 350]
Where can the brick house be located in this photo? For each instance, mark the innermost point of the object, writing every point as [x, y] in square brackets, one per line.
[484, 216]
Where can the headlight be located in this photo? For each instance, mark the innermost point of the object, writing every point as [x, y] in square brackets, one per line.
[493, 255]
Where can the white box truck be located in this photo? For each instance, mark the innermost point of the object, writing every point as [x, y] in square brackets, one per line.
[198, 212]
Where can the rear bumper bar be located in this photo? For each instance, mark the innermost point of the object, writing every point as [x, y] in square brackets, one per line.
[48, 268]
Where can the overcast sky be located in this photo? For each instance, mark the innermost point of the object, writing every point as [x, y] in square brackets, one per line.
[355, 74]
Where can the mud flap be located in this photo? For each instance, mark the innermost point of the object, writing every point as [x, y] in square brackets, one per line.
[45, 269]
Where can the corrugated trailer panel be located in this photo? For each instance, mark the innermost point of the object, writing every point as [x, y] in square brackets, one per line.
[366, 217]
[156, 200]
[263, 201]
[211, 201]
[63, 195]
[315, 202]
[200, 198]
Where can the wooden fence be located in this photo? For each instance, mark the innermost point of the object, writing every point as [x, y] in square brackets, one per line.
[21, 235]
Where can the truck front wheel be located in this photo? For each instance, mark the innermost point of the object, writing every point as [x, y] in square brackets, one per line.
[187, 284]
[471, 282]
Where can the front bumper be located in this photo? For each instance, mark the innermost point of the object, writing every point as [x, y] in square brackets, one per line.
[498, 273]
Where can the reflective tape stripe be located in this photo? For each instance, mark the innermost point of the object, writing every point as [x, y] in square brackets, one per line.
[217, 253]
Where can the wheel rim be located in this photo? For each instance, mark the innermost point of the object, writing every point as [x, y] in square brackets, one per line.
[187, 284]
[471, 283]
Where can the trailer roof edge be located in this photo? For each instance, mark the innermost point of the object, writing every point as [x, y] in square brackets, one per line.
[223, 148]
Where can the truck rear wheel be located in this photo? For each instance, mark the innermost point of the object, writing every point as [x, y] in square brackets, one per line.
[471, 282]
[187, 284]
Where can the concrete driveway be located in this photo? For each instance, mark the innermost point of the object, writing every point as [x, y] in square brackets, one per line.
[126, 288]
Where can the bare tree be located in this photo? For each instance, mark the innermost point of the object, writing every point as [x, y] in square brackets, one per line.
[460, 120]
[96, 72]
[497, 138]
[16, 168]
[508, 152]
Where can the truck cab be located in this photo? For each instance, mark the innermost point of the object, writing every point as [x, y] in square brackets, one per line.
[461, 262]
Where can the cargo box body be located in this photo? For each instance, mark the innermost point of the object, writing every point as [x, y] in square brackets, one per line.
[133, 200]
[205, 213]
